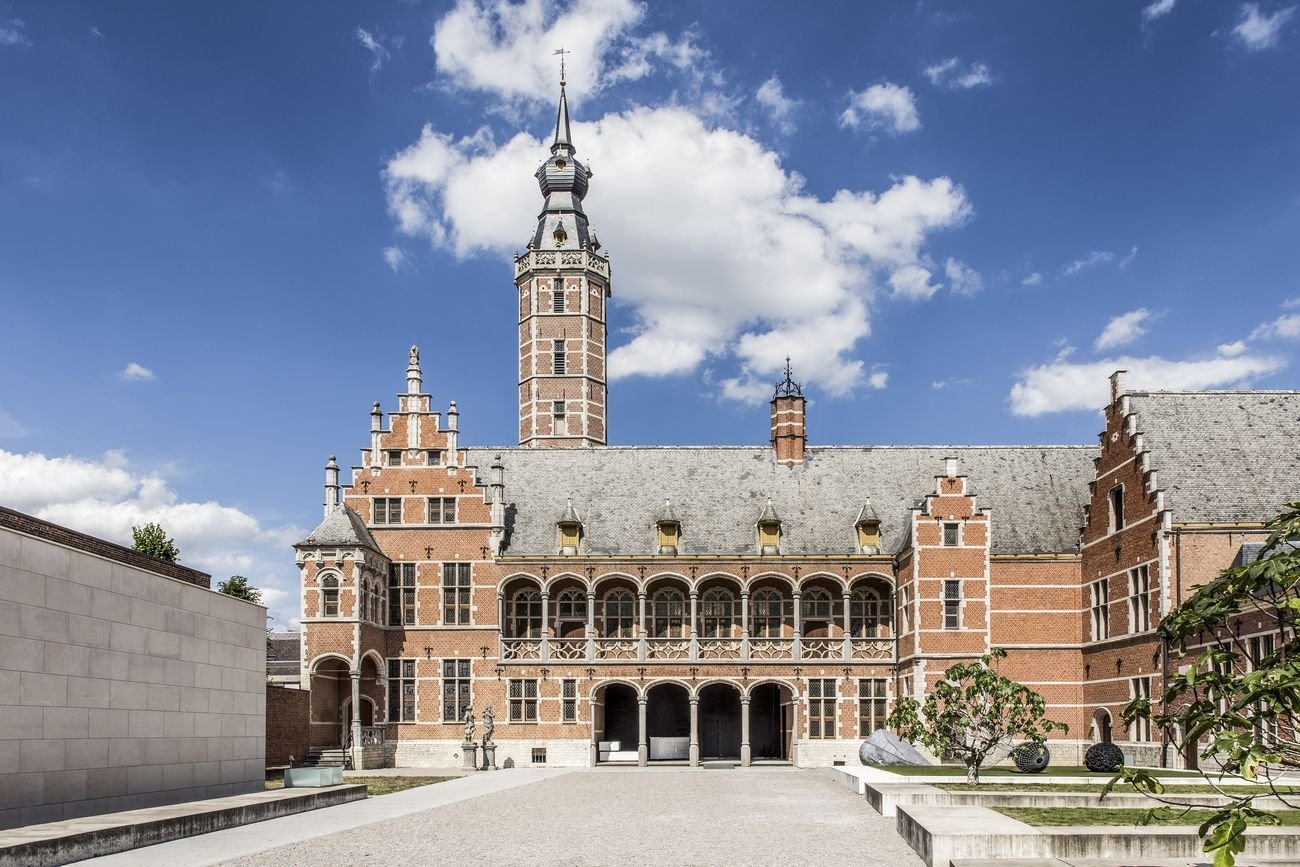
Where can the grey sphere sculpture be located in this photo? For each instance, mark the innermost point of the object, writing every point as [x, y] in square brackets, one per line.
[1031, 758]
[1103, 758]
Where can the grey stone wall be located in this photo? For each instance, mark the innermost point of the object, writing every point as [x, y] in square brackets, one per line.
[121, 688]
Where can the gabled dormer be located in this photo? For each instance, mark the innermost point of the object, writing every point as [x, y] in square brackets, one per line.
[868, 529]
[569, 530]
[669, 530]
[769, 530]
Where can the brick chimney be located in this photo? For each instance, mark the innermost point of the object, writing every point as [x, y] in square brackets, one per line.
[789, 420]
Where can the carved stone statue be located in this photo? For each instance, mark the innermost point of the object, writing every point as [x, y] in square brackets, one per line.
[489, 725]
[469, 725]
[415, 356]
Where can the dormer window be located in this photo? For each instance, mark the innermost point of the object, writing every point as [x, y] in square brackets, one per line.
[329, 596]
[560, 236]
[560, 164]
[769, 531]
[868, 530]
[669, 530]
[569, 527]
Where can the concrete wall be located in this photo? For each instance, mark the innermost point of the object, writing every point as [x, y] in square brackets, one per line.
[288, 725]
[120, 688]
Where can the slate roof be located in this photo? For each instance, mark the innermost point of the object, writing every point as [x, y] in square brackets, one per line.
[342, 527]
[1222, 456]
[283, 654]
[1036, 494]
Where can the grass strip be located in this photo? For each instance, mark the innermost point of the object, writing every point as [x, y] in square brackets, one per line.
[378, 785]
[1057, 816]
[1033, 788]
[1007, 771]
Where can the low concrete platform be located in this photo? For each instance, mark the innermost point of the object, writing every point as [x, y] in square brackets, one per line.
[55, 843]
[944, 835]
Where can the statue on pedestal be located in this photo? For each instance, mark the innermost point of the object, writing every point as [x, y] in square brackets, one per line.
[489, 748]
[469, 725]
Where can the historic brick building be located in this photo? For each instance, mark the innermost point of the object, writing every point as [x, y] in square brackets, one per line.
[677, 603]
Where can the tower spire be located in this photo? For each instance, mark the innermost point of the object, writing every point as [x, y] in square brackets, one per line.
[563, 138]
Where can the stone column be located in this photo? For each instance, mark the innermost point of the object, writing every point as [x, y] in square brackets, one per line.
[595, 734]
[695, 732]
[744, 732]
[591, 626]
[695, 616]
[501, 625]
[642, 741]
[640, 625]
[545, 653]
[357, 753]
[798, 626]
[848, 625]
[744, 625]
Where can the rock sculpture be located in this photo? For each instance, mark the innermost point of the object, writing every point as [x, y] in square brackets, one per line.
[1103, 758]
[489, 725]
[884, 747]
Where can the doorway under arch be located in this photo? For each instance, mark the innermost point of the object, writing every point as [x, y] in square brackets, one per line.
[771, 722]
[719, 721]
[616, 723]
[668, 722]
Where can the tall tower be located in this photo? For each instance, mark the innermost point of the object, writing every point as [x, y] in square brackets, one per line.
[563, 283]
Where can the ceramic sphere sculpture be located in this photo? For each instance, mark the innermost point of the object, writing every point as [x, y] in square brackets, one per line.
[1103, 758]
[1030, 757]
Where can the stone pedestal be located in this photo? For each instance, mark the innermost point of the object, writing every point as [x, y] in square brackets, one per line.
[469, 757]
[489, 757]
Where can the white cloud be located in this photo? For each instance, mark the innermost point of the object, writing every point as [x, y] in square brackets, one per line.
[134, 372]
[506, 48]
[1032, 279]
[106, 497]
[951, 74]
[1257, 30]
[1128, 260]
[1123, 329]
[1287, 327]
[963, 279]
[736, 222]
[1061, 386]
[952, 382]
[1158, 9]
[886, 107]
[396, 259]
[878, 380]
[280, 183]
[96, 33]
[779, 107]
[1096, 257]
[13, 34]
[1233, 349]
[379, 46]
[913, 282]
[1291, 303]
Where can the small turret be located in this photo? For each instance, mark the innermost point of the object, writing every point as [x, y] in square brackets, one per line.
[789, 420]
[413, 375]
[331, 485]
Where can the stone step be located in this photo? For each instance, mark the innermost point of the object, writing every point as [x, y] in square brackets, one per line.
[718, 765]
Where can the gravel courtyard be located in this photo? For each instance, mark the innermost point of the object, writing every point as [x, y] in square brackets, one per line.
[629, 816]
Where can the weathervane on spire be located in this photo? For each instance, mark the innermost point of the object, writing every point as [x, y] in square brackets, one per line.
[561, 52]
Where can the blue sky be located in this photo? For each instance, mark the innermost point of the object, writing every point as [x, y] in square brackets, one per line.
[222, 225]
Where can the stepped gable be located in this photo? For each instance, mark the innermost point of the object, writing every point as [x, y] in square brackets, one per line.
[716, 492]
[342, 527]
[1222, 456]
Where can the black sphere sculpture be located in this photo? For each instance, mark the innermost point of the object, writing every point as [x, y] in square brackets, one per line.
[1030, 757]
[1103, 758]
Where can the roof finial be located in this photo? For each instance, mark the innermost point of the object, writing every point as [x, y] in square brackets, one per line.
[563, 138]
[788, 387]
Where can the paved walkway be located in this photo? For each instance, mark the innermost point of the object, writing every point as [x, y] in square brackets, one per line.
[660, 816]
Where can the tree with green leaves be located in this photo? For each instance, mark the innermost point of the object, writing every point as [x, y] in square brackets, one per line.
[1235, 699]
[152, 539]
[238, 586]
[973, 712]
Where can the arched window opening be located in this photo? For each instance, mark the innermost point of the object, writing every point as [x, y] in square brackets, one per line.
[525, 615]
[571, 605]
[668, 618]
[619, 616]
[329, 596]
[817, 604]
[868, 615]
[765, 614]
[717, 608]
